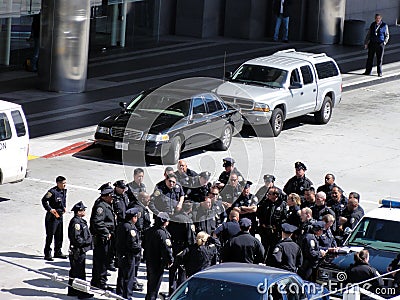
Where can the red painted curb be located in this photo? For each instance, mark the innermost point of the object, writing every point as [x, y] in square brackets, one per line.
[71, 149]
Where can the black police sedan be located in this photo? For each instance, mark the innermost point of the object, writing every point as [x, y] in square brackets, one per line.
[164, 122]
[238, 281]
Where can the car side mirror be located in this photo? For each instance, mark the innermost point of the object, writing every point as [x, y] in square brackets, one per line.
[228, 75]
[123, 105]
[295, 85]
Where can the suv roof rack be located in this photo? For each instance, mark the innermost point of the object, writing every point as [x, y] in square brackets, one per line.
[306, 54]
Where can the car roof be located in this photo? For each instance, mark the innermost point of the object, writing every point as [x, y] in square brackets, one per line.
[290, 58]
[385, 213]
[8, 105]
[242, 273]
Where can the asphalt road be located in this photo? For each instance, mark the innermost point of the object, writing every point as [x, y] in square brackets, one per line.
[360, 146]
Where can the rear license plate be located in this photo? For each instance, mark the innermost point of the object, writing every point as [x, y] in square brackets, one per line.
[121, 145]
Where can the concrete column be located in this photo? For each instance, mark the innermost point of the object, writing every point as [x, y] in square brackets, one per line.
[114, 25]
[64, 45]
[5, 43]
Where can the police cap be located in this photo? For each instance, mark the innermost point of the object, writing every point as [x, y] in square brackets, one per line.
[288, 228]
[107, 191]
[105, 185]
[228, 161]
[299, 165]
[132, 212]
[318, 225]
[245, 222]
[163, 216]
[269, 178]
[248, 184]
[78, 206]
[120, 183]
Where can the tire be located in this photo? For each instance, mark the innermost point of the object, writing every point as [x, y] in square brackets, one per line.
[276, 121]
[226, 138]
[324, 115]
[172, 157]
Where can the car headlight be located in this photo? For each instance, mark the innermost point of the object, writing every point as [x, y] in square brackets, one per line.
[261, 107]
[156, 137]
[104, 130]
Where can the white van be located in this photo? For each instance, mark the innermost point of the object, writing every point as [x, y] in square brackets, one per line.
[14, 142]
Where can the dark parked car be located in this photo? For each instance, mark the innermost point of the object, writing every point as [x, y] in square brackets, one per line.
[238, 281]
[164, 122]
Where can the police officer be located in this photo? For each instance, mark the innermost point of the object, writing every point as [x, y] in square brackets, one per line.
[271, 213]
[120, 201]
[229, 164]
[246, 205]
[54, 202]
[136, 186]
[200, 255]
[167, 197]
[204, 216]
[287, 254]
[158, 250]
[200, 187]
[144, 220]
[217, 205]
[307, 222]
[229, 229]
[312, 252]
[298, 183]
[244, 247]
[269, 182]
[327, 187]
[327, 240]
[231, 191]
[80, 242]
[320, 209]
[350, 215]
[184, 175]
[102, 227]
[182, 233]
[128, 246]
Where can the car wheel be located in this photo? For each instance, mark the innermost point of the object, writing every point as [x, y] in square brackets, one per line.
[226, 138]
[276, 121]
[174, 152]
[324, 115]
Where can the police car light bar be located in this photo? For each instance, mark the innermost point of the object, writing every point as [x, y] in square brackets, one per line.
[390, 203]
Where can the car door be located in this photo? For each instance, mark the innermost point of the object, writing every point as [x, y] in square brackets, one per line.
[197, 129]
[216, 117]
[309, 89]
[297, 97]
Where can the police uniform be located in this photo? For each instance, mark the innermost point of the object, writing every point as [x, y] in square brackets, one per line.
[80, 242]
[248, 201]
[56, 199]
[287, 254]
[198, 192]
[319, 211]
[311, 252]
[244, 247]
[352, 217]
[205, 219]
[187, 179]
[134, 190]
[224, 176]
[361, 271]
[337, 208]
[230, 193]
[182, 233]
[128, 246]
[120, 202]
[165, 199]
[144, 220]
[102, 224]
[227, 230]
[158, 251]
[298, 184]
[327, 240]
[196, 258]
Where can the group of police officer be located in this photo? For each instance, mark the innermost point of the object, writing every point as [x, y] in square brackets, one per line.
[198, 223]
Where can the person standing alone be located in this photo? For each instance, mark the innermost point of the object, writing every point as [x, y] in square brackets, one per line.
[281, 10]
[375, 41]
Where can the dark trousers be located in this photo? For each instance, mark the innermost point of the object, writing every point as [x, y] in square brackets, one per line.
[154, 277]
[127, 275]
[54, 228]
[177, 275]
[269, 239]
[378, 50]
[100, 256]
[77, 262]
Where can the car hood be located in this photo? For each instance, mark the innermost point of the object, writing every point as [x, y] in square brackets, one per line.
[146, 121]
[379, 259]
[247, 91]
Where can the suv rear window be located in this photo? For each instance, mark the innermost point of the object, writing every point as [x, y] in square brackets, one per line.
[18, 122]
[5, 129]
[307, 74]
[326, 69]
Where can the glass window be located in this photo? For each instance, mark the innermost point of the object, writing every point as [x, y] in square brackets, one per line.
[18, 122]
[307, 74]
[198, 106]
[294, 76]
[5, 129]
[213, 105]
[326, 69]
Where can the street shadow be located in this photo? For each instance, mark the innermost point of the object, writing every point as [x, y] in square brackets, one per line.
[19, 255]
[4, 199]
[26, 292]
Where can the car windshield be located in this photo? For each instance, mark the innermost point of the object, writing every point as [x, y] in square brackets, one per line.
[377, 234]
[157, 103]
[260, 75]
[200, 289]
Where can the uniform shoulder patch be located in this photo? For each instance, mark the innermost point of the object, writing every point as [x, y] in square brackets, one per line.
[240, 178]
[352, 220]
[193, 228]
[312, 244]
[133, 233]
[168, 242]
[48, 194]
[139, 214]
[156, 193]
[276, 250]
[77, 227]
[99, 210]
